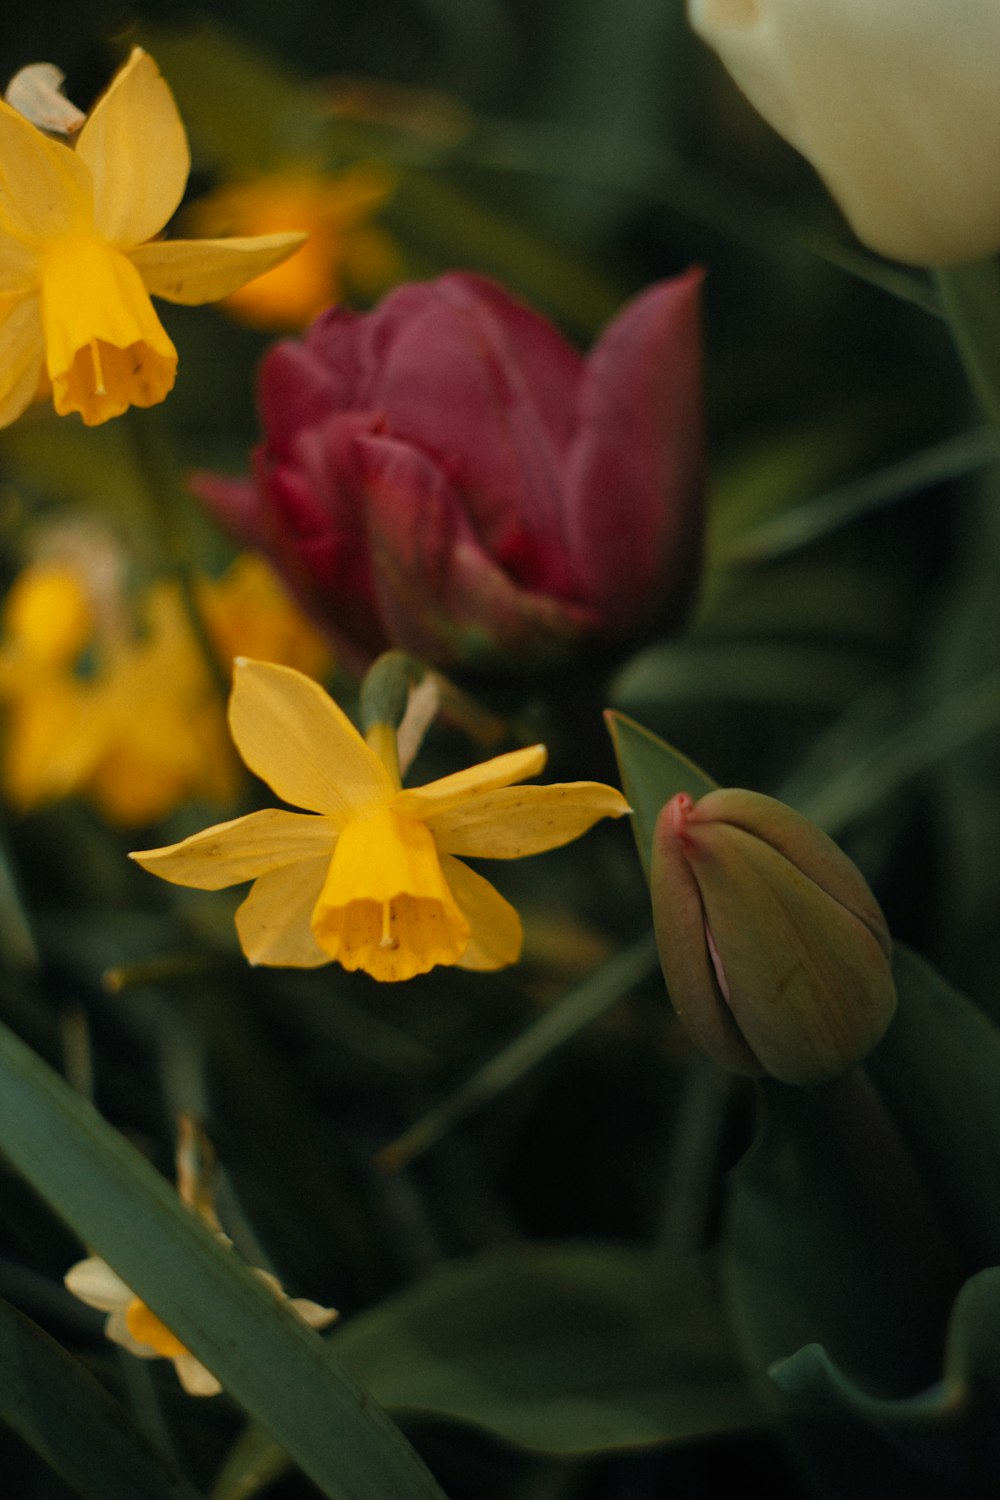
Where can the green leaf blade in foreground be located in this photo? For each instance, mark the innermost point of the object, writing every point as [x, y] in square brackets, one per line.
[565, 1350]
[652, 772]
[280, 1371]
[59, 1410]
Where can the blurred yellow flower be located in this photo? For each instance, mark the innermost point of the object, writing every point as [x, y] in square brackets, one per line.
[343, 249]
[371, 879]
[79, 255]
[131, 718]
[134, 1325]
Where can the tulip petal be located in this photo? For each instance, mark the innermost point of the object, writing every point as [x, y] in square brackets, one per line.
[135, 146]
[810, 986]
[302, 382]
[437, 797]
[21, 353]
[241, 850]
[462, 369]
[496, 932]
[516, 821]
[45, 189]
[439, 593]
[633, 498]
[896, 105]
[679, 920]
[274, 922]
[293, 736]
[802, 844]
[194, 271]
[94, 1282]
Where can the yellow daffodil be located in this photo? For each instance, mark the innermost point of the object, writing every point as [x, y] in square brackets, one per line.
[136, 1327]
[343, 249]
[371, 878]
[131, 717]
[79, 255]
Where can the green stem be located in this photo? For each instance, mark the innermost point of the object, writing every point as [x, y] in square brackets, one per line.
[159, 471]
[970, 300]
[596, 995]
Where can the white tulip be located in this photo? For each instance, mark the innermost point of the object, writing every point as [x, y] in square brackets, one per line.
[895, 102]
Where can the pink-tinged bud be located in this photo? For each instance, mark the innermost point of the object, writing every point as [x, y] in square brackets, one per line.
[448, 475]
[775, 951]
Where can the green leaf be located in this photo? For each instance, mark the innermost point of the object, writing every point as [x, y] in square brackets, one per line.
[57, 1407]
[938, 1070]
[850, 1229]
[565, 1350]
[269, 1361]
[950, 1428]
[652, 772]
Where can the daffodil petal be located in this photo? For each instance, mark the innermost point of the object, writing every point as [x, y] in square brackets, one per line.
[293, 736]
[196, 271]
[496, 932]
[94, 1282]
[117, 1330]
[274, 922]
[438, 797]
[135, 146]
[519, 820]
[45, 189]
[21, 351]
[18, 265]
[193, 1376]
[312, 1313]
[241, 849]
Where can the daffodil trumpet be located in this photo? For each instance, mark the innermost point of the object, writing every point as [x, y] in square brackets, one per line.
[374, 875]
[80, 252]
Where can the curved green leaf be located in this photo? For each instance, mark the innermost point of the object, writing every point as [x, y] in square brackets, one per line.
[57, 1407]
[652, 772]
[269, 1361]
[564, 1350]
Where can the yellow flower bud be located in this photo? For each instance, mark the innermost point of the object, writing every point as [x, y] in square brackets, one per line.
[775, 952]
[895, 103]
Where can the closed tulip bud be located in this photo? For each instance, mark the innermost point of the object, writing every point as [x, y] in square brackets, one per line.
[775, 952]
[895, 102]
[446, 474]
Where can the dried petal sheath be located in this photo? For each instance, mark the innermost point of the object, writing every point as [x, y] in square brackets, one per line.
[774, 951]
[371, 879]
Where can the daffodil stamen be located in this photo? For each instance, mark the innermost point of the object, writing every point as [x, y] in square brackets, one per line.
[387, 940]
[99, 387]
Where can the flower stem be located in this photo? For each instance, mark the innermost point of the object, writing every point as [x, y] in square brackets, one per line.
[970, 300]
[159, 471]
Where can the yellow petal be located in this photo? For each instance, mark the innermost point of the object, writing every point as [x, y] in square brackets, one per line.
[47, 613]
[94, 1282]
[385, 906]
[18, 265]
[274, 922]
[194, 1377]
[105, 347]
[519, 820]
[21, 351]
[495, 927]
[438, 797]
[137, 152]
[45, 190]
[146, 1328]
[293, 736]
[242, 849]
[195, 271]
